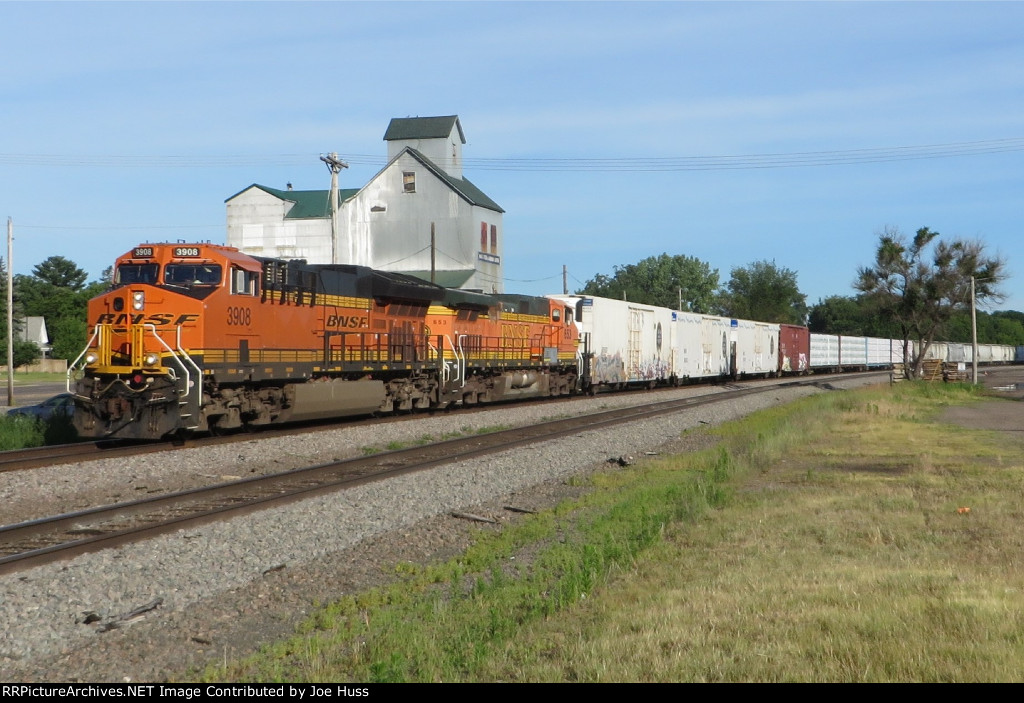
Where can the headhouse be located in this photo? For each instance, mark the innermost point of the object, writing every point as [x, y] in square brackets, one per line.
[419, 197]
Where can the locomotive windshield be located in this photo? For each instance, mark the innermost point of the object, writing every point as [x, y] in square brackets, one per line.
[192, 274]
[136, 273]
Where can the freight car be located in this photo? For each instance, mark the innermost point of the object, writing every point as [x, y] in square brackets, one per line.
[635, 345]
[832, 352]
[201, 337]
[204, 338]
[632, 344]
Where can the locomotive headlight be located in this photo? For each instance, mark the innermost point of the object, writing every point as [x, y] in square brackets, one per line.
[151, 359]
[91, 358]
[138, 300]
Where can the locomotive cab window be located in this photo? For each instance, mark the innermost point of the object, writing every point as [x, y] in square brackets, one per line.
[244, 282]
[136, 273]
[192, 274]
[556, 315]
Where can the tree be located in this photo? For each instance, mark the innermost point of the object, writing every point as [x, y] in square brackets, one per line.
[25, 353]
[921, 284]
[60, 273]
[852, 315]
[763, 291]
[836, 314]
[69, 336]
[56, 290]
[996, 328]
[660, 280]
[39, 298]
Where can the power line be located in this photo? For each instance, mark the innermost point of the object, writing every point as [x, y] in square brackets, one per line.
[219, 226]
[610, 164]
[534, 280]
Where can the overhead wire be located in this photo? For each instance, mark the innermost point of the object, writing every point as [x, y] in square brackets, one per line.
[537, 164]
[564, 164]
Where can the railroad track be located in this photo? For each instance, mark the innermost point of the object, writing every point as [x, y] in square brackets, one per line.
[36, 457]
[45, 540]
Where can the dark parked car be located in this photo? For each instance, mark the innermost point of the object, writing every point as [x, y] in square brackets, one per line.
[58, 406]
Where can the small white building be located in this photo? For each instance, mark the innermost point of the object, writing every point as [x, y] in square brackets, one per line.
[387, 223]
[33, 329]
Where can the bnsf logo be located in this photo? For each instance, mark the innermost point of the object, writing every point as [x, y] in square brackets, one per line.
[514, 331]
[350, 321]
[109, 318]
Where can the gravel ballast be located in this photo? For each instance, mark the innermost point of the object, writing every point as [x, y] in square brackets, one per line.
[220, 590]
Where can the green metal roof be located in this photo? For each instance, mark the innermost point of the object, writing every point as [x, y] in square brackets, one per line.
[308, 203]
[423, 128]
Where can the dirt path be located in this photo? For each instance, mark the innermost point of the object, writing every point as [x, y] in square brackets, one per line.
[1004, 413]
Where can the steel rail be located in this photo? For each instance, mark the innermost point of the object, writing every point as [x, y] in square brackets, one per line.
[36, 542]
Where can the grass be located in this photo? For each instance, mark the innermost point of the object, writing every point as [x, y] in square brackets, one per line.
[38, 377]
[24, 432]
[823, 541]
[21, 432]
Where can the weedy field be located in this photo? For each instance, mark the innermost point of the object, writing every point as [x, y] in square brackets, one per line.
[850, 536]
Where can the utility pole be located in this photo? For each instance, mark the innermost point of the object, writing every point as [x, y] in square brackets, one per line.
[433, 259]
[335, 166]
[974, 336]
[565, 280]
[10, 313]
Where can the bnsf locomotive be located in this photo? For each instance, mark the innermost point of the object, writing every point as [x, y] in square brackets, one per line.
[200, 337]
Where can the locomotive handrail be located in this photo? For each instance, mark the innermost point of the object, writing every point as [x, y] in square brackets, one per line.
[439, 354]
[174, 355]
[71, 366]
[460, 367]
[199, 373]
[462, 337]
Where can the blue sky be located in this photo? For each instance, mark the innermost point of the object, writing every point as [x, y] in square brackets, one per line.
[126, 122]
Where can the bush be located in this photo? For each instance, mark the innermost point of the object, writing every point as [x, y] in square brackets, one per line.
[25, 353]
[18, 432]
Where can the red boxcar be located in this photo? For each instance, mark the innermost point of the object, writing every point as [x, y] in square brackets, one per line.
[794, 349]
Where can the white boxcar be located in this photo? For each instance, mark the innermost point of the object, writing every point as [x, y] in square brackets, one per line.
[957, 352]
[715, 333]
[987, 353]
[706, 345]
[880, 352]
[702, 345]
[757, 345]
[938, 351]
[853, 352]
[897, 353]
[631, 343]
[830, 351]
[824, 351]
[1005, 354]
